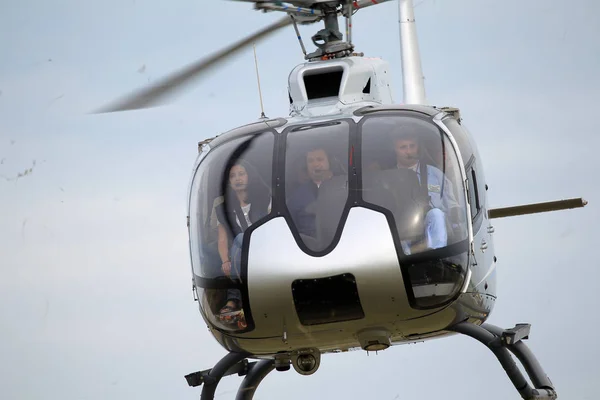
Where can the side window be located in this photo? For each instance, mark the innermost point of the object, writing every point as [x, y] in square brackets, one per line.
[475, 203]
[481, 188]
[475, 196]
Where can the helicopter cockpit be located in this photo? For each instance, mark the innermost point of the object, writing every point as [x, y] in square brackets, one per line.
[311, 175]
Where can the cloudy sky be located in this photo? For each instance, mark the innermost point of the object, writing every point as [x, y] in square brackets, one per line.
[95, 287]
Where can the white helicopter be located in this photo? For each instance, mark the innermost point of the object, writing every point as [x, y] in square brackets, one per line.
[354, 223]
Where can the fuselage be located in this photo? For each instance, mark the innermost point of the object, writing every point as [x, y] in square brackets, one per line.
[358, 259]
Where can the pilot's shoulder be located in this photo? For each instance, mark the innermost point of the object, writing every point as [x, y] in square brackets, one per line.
[434, 171]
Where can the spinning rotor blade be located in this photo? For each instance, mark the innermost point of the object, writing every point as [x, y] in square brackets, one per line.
[150, 96]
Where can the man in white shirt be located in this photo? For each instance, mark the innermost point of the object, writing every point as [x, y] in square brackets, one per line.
[439, 188]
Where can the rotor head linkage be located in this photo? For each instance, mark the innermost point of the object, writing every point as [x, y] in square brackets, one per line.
[329, 40]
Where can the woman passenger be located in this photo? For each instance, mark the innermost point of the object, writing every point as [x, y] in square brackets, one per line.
[247, 199]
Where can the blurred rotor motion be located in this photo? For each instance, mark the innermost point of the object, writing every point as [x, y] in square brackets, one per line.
[303, 12]
[151, 96]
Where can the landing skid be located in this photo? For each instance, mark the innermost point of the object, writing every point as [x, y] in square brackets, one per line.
[500, 342]
[232, 363]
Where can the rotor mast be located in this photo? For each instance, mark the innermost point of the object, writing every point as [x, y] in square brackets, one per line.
[412, 72]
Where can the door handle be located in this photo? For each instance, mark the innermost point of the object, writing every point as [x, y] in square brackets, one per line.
[484, 245]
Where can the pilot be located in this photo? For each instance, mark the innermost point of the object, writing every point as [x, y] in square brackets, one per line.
[439, 188]
[247, 200]
[319, 171]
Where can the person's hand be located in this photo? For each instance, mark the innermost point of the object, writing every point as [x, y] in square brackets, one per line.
[226, 267]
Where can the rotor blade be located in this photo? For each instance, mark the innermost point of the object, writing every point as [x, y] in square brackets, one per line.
[152, 95]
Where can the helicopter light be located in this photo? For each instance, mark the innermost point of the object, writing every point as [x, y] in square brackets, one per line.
[307, 362]
[376, 346]
[374, 339]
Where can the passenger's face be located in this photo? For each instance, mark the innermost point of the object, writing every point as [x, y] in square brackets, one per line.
[317, 165]
[238, 177]
[407, 151]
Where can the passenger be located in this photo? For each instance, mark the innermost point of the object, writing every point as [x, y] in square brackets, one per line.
[302, 200]
[408, 154]
[246, 200]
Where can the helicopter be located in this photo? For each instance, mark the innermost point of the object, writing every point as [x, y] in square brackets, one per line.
[352, 224]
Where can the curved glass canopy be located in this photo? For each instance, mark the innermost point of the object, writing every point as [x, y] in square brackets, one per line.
[398, 163]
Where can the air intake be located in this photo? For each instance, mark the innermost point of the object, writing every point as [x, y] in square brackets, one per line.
[323, 83]
[328, 87]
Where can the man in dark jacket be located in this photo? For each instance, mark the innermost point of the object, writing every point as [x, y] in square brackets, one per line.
[301, 202]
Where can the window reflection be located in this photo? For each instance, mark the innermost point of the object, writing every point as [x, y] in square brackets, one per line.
[316, 176]
[231, 192]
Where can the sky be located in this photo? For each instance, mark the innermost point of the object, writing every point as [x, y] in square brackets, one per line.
[95, 288]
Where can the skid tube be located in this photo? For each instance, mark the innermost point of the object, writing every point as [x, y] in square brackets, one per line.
[232, 363]
[500, 342]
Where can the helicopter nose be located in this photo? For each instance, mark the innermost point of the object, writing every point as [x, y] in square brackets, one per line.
[358, 283]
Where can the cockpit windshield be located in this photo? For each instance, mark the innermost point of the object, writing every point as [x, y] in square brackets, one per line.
[307, 177]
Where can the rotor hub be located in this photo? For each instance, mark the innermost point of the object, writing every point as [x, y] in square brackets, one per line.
[329, 41]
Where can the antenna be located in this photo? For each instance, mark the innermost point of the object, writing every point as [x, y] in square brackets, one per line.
[412, 72]
[262, 110]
